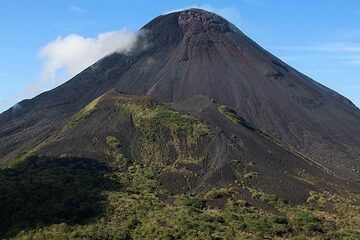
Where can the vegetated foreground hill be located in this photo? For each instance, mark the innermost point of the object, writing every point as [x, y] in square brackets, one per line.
[198, 133]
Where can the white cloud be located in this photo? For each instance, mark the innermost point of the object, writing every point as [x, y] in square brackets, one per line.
[230, 13]
[67, 56]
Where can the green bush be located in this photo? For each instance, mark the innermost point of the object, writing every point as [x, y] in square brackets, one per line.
[268, 198]
[307, 222]
[234, 117]
[192, 202]
[113, 142]
[219, 193]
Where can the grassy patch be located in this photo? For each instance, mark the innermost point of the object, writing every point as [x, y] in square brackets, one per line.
[22, 158]
[307, 222]
[251, 175]
[166, 135]
[149, 118]
[219, 193]
[113, 142]
[305, 177]
[234, 117]
[82, 115]
[267, 198]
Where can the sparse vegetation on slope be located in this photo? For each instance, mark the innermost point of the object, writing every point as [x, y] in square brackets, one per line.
[113, 142]
[82, 115]
[131, 205]
[234, 117]
[165, 133]
[78, 198]
[150, 119]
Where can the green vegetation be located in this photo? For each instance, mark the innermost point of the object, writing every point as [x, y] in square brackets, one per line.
[113, 142]
[82, 115]
[234, 117]
[268, 198]
[251, 175]
[229, 113]
[166, 135]
[305, 177]
[219, 193]
[82, 199]
[307, 222]
[151, 119]
[40, 192]
[22, 158]
[119, 162]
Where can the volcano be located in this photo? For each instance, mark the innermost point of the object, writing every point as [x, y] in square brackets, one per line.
[205, 104]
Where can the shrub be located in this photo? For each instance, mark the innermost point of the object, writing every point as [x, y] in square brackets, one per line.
[192, 202]
[219, 193]
[113, 142]
[268, 198]
[234, 117]
[307, 222]
[251, 175]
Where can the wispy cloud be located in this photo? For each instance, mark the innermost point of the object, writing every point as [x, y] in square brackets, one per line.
[230, 13]
[333, 63]
[66, 56]
[346, 34]
[346, 53]
[353, 59]
[78, 10]
[342, 47]
[325, 47]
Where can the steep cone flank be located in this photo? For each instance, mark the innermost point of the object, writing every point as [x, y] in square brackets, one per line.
[194, 52]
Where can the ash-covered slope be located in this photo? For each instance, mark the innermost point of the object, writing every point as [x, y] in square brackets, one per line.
[194, 150]
[195, 52]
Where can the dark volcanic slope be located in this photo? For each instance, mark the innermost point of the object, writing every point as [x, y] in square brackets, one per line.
[194, 52]
[194, 155]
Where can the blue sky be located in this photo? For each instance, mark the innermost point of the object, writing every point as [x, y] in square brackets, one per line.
[321, 38]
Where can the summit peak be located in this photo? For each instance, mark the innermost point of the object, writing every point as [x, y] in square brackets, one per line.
[205, 20]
